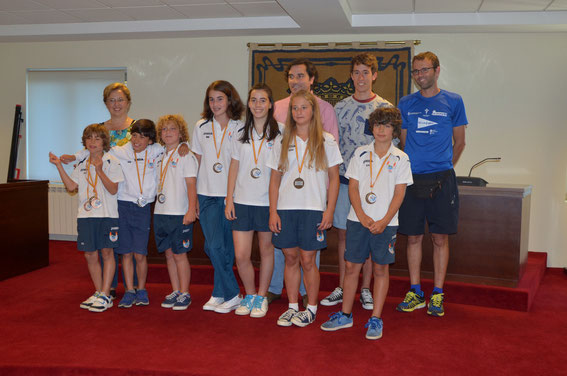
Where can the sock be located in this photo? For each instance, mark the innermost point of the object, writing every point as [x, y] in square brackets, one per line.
[312, 308]
[437, 290]
[417, 289]
[294, 306]
[349, 315]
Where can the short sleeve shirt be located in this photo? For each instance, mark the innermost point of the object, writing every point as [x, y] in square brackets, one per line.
[396, 170]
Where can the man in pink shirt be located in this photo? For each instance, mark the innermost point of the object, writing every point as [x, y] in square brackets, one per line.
[301, 75]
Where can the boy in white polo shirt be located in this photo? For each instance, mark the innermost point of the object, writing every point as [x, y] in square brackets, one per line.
[378, 175]
[96, 177]
[176, 208]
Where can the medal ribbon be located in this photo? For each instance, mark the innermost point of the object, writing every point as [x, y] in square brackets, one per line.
[218, 151]
[162, 172]
[90, 179]
[372, 182]
[141, 183]
[299, 167]
[254, 148]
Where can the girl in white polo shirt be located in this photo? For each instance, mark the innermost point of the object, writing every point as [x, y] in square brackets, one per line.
[247, 200]
[212, 137]
[304, 160]
[176, 208]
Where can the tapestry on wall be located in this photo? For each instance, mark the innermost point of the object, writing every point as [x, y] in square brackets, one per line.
[267, 64]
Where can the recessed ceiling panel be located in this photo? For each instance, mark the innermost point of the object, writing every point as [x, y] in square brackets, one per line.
[99, 15]
[380, 6]
[47, 17]
[162, 12]
[207, 11]
[260, 9]
[71, 4]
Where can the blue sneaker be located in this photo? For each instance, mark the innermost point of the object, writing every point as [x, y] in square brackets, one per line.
[338, 320]
[142, 297]
[183, 301]
[435, 306]
[374, 326]
[411, 302]
[303, 318]
[127, 300]
[170, 299]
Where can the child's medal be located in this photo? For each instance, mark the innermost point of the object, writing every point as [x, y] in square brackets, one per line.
[95, 202]
[371, 196]
[299, 183]
[141, 201]
[255, 173]
[92, 201]
[162, 174]
[217, 167]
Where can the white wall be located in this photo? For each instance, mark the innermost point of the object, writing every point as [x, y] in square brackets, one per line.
[513, 86]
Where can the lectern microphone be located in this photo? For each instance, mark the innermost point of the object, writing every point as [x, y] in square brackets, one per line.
[473, 181]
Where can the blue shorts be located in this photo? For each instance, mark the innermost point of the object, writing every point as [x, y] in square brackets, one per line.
[440, 211]
[134, 223]
[361, 243]
[342, 209]
[170, 232]
[299, 229]
[251, 218]
[97, 233]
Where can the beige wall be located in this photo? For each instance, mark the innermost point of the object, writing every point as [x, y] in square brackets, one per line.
[513, 86]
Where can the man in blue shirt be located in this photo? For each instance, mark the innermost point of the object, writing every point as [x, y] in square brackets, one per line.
[433, 135]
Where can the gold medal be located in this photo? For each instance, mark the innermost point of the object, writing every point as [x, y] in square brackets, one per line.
[371, 197]
[298, 183]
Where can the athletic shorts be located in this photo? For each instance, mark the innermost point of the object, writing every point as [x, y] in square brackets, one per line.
[441, 212]
[251, 218]
[361, 243]
[134, 223]
[342, 209]
[299, 229]
[170, 232]
[97, 233]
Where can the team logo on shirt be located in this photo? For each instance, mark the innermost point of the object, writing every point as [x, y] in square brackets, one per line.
[174, 163]
[423, 123]
[438, 113]
[320, 236]
[186, 243]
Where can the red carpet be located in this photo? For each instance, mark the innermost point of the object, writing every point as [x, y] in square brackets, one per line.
[43, 332]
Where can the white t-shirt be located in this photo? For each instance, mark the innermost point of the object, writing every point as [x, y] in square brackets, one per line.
[109, 208]
[313, 195]
[174, 186]
[209, 182]
[396, 170]
[249, 190]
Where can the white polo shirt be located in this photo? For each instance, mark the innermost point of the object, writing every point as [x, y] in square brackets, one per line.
[396, 170]
[313, 195]
[111, 167]
[209, 182]
[249, 190]
[129, 189]
[174, 185]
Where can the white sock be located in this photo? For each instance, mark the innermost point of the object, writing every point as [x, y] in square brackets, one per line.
[294, 306]
[312, 308]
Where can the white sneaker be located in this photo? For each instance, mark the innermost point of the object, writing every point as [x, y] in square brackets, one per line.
[101, 304]
[366, 299]
[213, 303]
[245, 305]
[286, 317]
[89, 302]
[229, 305]
[259, 307]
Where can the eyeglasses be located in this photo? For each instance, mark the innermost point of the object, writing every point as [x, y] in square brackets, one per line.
[116, 100]
[415, 72]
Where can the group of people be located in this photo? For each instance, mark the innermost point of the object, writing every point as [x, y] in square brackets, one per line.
[289, 172]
